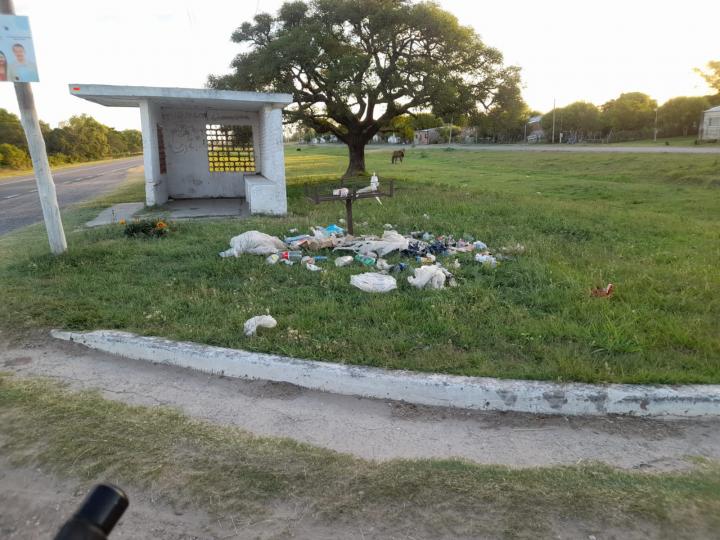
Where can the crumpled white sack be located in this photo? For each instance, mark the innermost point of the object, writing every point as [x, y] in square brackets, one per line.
[390, 241]
[431, 277]
[261, 321]
[373, 282]
[255, 243]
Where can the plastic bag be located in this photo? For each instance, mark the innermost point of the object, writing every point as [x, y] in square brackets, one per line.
[343, 261]
[486, 260]
[431, 277]
[255, 243]
[261, 321]
[374, 282]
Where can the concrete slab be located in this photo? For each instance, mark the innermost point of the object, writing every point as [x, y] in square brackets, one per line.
[205, 208]
[116, 213]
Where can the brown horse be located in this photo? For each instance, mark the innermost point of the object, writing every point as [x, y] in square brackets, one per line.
[398, 155]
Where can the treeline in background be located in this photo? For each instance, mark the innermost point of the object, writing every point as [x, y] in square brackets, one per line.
[81, 138]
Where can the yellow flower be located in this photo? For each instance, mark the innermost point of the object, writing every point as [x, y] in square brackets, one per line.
[161, 225]
[121, 222]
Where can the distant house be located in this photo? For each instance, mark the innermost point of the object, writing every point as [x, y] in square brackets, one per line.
[535, 132]
[427, 136]
[710, 126]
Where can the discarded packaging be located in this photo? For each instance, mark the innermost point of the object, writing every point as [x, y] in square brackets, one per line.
[374, 282]
[605, 292]
[367, 261]
[480, 246]
[342, 192]
[486, 260]
[255, 243]
[313, 268]
[456, 264]
[374, 185]
[382, 264]
[388, 227]
[291, 255]
[431, 277]
[389, 242]
[273, 259]
[261, 321]
[344, 261]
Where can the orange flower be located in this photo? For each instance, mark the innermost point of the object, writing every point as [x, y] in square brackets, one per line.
[121, 222]
[161, 225]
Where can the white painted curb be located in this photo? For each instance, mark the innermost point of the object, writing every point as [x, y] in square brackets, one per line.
[478, 393]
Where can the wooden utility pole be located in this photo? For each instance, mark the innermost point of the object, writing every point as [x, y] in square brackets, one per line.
[38, 154]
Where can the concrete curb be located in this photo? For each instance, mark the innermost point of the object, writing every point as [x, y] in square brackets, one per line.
[477, 393]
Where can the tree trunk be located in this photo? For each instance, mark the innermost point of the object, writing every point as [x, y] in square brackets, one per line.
[356, 151]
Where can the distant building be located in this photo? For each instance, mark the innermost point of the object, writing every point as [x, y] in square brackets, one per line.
[710, 126]
[427, 136]
[535, 132]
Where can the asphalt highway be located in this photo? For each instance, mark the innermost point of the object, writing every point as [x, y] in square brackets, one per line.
[19, 202]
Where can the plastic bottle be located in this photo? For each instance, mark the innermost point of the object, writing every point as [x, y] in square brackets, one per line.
[291, 255]
[367, 261]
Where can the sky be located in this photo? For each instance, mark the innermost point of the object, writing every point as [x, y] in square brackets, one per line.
[568, 50]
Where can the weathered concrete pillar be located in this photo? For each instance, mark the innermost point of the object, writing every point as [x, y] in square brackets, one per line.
[156, 192]
[269, 196]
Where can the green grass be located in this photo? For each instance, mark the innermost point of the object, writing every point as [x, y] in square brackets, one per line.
[647, 223]
[672, 141]
[191, 464]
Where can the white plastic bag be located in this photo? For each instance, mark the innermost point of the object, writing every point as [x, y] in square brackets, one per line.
[486, 260]
[431, 277]
[261, 321]
[343, 261]
[374, 282]
[255, 243]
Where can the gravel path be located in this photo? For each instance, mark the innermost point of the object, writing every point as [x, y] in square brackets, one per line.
[372, 429]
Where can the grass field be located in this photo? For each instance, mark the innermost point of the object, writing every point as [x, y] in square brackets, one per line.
[194, 465]
[647, 223]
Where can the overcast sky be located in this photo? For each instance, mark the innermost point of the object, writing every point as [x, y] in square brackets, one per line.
[568, 49]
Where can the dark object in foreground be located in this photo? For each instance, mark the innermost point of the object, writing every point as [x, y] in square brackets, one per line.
[603, 292]
[98, 514]
[348, 195]
[397, 155]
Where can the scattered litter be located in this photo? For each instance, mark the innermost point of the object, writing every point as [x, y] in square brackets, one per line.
[364, 259]
[383, 265]
[297, 239]
[399, 267]
[313, 268]
[374, 282]
[374, 185]
[343, 261]
[273, 259]
[288, 262]
[388, 227]
[307, 260]
[342, 192]
[480, 246]
[431, 277]
[456, 264]
[261, 321]
[426, 216]
[605, 292]
[291, 255]
[486, 260]
[341, 220]
[293, 231]
[255, 243]
[517, 249]
[389, 242]
[320, 258]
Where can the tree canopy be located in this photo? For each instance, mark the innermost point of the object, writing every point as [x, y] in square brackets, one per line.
[632, 111]
[352, 66]
[712, 75]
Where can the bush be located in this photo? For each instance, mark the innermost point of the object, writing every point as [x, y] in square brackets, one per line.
[58, 159]
[14, 157]
[149, 228]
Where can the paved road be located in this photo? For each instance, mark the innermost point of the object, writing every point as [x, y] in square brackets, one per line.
[598, 149]
[19, 202]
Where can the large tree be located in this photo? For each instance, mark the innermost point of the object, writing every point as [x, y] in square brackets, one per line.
[681, 115]
[632, 111]
[352, 66]
[712, 75]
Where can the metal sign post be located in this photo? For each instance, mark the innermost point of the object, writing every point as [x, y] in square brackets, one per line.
[20, 66]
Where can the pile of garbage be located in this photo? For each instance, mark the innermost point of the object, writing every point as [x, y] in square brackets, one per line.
[369, 252]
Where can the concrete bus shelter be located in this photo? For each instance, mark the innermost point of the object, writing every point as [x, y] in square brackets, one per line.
[201, 143]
